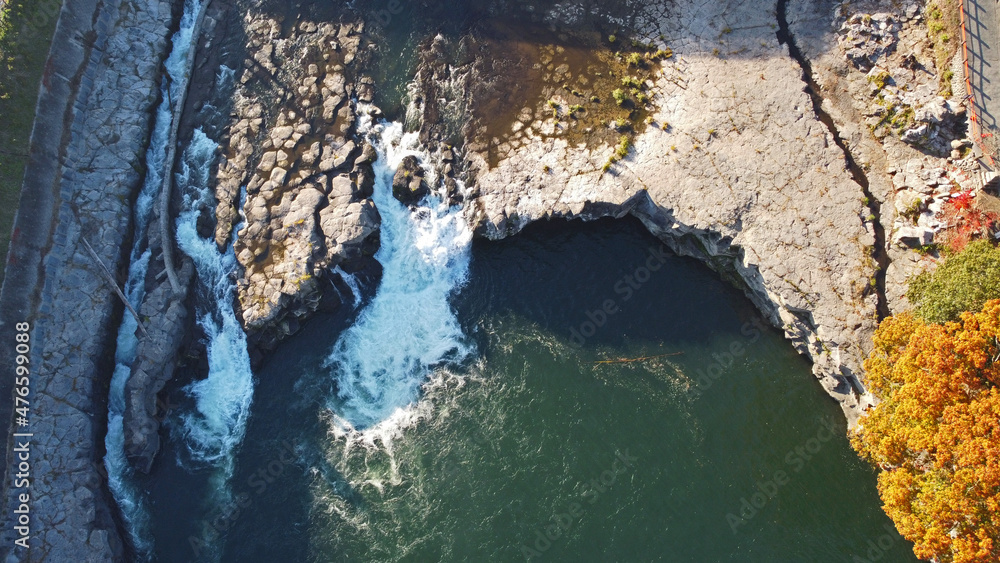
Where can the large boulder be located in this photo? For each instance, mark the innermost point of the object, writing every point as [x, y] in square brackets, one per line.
[408, 185]
[913, 237]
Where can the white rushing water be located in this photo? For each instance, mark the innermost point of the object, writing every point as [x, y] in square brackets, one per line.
[352, 284]
[120, 478]
[409, 328]
[214, 429]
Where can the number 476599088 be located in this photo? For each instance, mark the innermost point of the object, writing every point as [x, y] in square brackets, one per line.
[22, 381]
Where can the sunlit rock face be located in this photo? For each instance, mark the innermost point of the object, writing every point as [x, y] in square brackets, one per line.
[308, 180]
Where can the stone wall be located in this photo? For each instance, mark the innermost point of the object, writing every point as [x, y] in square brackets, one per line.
[86, 161]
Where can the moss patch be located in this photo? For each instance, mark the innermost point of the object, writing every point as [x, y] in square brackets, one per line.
[944, 29]
[894, 117]
[586, 87]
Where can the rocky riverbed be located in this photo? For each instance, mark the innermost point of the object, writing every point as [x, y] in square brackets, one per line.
[697, 119]
[803, 150]
[86, 161]
[703, 121]
[308, 177]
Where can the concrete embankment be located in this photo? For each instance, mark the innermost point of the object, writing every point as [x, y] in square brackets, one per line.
[86, 163]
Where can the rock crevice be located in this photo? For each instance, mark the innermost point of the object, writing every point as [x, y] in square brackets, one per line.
[733, 166]
[879, 253]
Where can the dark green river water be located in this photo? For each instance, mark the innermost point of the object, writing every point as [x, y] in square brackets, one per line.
[590, 399]
[534, 450]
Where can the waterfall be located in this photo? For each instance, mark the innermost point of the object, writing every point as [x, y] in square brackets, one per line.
[120, 478]
[222, 400]
[409, 328]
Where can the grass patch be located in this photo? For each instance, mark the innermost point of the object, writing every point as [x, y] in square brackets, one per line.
[879, 79]
[26, 28]
[894, 117]
[913, 211]
[621, 151]
[944, 25]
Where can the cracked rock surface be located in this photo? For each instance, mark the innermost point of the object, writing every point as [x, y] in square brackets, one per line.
[915, 164]
[87, 150]
[734, 168]
[308, 183]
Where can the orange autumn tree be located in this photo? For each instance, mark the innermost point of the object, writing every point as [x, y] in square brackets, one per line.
[936, 433]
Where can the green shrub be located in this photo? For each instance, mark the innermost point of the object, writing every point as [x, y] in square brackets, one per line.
[633, 83]
[661, 54]
[962, 282]
[619, 96]
[624, 144]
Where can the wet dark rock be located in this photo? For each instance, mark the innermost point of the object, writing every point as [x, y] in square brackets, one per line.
[206, 225]
[366, 90]
[408, 185]
[156, 359]
[368, 155]
[365, 182]
[455, 196]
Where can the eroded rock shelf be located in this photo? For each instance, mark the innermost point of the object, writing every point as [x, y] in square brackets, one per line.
[773, 141]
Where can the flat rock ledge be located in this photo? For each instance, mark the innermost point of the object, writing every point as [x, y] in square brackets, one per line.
[87, 151]
[308, 182]
[733, 168]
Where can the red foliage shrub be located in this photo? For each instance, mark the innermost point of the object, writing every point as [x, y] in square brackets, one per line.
[965, 222]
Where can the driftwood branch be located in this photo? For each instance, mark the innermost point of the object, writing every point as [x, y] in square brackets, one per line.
[114, 285]
[166, 241]
[642, 359]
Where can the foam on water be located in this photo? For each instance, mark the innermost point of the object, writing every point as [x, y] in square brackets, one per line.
[352, 284]
[120, 478]
[409, 328]
[214, 429]
[225, 76]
